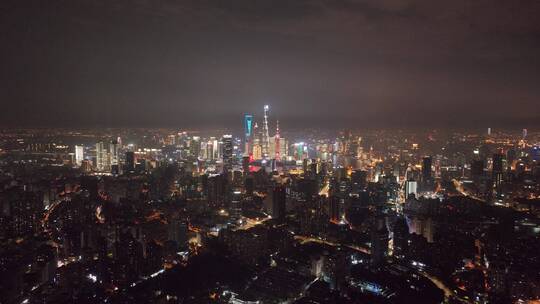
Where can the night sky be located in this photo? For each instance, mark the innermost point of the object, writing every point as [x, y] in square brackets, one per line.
[200, 63]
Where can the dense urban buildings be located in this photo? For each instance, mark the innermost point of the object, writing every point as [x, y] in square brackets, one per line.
[373, 216]
[269, 151]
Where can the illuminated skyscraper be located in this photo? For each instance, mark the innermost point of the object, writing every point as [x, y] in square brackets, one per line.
[283, 147]
[195, 146]
[265, 134]
[79, 155]
[256, 148]
[113, 150]
[114, 157]
[411, 187]
[256, 135]
[227, 153]
[215, 145]
[204, 150]
[102, 157]
[235, 208]
[257, 152]
[277, 143]
[498, 169]
[209, 150]
[248, 132]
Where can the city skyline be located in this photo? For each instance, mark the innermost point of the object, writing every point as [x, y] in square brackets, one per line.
[270, 151]
[136, 215]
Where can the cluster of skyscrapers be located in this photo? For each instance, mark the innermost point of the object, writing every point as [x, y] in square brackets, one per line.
[372, 214]
[258, 144]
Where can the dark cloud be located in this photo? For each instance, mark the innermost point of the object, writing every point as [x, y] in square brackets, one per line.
[203, 63]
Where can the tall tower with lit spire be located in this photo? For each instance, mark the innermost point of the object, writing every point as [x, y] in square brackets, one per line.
[276, 139]
[265, 135]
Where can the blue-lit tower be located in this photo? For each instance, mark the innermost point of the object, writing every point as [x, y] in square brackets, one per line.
[248, 132]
